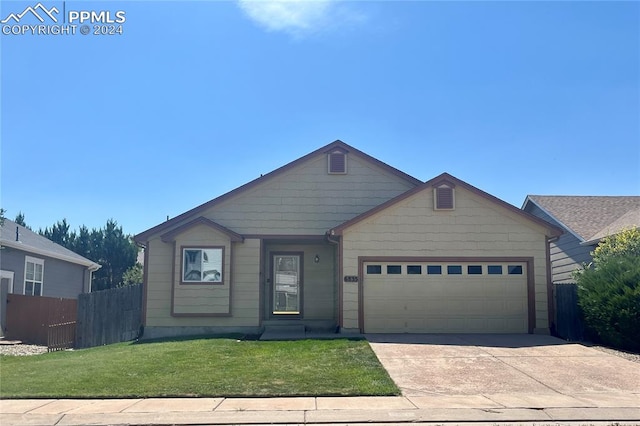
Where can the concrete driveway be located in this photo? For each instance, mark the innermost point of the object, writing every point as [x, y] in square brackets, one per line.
[510, 370]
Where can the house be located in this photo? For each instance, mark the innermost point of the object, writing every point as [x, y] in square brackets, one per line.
[340, 240]
[34, 265]
[585, 221]
[31, 264]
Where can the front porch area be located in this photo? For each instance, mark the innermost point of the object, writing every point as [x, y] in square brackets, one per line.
[299, 286]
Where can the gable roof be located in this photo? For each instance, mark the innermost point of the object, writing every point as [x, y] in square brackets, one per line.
[171, 235]
[31, 242]
[142, 237]
[554, 231]
[590, 218]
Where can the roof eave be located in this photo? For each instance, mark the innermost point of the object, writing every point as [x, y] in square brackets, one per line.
[171, 235]
[16, 245]
[565, 227]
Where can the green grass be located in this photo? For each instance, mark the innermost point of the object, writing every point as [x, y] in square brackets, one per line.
[199, 367]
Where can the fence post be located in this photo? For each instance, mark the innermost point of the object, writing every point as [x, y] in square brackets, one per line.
[569, 324]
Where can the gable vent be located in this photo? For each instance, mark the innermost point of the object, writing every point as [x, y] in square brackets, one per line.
[444, 199]
[337, 162]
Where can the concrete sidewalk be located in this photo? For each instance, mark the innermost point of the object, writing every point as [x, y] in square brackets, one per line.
[521, 408]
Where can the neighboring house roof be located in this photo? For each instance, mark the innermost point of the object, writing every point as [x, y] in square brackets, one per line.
[590, 218]
[31, 242]
[554, 231]
[336, 145]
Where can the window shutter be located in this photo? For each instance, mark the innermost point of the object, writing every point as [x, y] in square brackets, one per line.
[338, 163]
[444, 198]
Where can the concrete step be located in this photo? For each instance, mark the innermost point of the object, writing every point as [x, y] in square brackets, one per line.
[284, 332]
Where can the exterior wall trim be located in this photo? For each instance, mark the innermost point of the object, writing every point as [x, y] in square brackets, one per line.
[531, 294]
[145, 286]
[261, 284]
[284, 237]
[551, 309]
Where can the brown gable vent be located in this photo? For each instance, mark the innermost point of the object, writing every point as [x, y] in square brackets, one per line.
[444, 198]
[337, 162]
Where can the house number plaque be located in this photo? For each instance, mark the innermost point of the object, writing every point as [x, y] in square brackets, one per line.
[350, 278]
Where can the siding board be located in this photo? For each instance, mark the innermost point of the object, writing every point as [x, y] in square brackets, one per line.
[567, 254]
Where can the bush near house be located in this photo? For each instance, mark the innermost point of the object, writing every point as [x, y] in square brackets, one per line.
[609, 291]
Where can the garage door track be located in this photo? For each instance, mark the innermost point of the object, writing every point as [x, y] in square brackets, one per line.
[506, 370]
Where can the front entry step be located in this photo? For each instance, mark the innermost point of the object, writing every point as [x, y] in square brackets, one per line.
[284, 332]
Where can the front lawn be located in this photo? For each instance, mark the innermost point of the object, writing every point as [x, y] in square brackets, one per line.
[199, 367]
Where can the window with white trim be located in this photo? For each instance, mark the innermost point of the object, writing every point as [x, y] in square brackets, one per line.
[33, 276]
[202, 265]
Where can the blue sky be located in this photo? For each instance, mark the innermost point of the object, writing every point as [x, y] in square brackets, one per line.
[197, 98]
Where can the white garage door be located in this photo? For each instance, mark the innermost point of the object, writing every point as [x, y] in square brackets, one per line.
[432, 297]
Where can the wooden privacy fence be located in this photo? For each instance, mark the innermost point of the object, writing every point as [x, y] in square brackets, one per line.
[41, 320]
[569, 324]
[109, 316]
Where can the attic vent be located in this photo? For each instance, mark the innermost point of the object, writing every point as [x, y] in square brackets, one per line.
[337, 162]
[444, 198]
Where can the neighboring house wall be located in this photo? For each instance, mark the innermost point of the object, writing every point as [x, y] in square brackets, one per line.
[477, 227]
[60, 278]
[306, 200]
[567, 254]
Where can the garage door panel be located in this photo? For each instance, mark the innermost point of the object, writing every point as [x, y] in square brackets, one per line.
[443, 303]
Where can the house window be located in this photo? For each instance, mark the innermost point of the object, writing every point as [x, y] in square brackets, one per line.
[202, 265]
[374, 269]
[515, 269]
[474, 269]
[33, 276]
[444, 198]
[434, 270]
[337, 163]
[394, 269]
[454, 269]
[494, 269]
[414, 269]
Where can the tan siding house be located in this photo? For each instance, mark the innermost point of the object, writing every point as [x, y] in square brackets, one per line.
[339, 240]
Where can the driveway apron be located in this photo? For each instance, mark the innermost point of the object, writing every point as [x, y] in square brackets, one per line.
[504, 368]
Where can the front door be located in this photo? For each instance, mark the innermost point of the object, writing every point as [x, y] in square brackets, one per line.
[287, 285]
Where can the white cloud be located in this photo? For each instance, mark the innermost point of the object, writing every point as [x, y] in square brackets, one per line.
[299, 17]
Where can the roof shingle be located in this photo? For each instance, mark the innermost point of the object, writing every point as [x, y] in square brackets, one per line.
[591, 217]
[30, 241]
